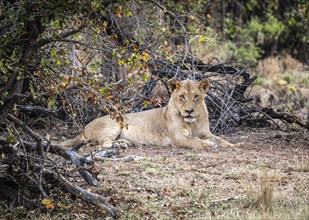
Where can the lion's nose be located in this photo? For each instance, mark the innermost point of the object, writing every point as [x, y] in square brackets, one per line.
[189, 111]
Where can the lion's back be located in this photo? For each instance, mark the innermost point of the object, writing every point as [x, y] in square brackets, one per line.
[147, 127]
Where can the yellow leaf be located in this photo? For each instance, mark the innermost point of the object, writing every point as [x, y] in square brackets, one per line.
[145, 76]
[128, 12]
[118, 11]
[46, 202]
[134, 46]
[120, 61]
[291, 88]
[144, 56]
[104, 25]
[145, 103]
[282, 82]
[114, 36]
[58, 62]
[203, 38]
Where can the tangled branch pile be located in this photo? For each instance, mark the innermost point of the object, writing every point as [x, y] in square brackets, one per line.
[228, 100]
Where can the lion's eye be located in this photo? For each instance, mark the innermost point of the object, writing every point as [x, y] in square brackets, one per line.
[196, 97]
[182, 97]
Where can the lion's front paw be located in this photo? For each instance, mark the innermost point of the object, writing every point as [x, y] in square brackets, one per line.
[237, 146]
[230, 145]
[211, 145]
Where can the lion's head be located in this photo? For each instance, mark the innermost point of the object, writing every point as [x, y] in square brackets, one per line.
[188, 97]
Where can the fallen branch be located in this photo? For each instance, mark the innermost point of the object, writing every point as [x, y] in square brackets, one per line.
[269, 114]
[31, 147]
[68, 154]
[37, 109]
[89, 197]
[285, 116]
[13, 193]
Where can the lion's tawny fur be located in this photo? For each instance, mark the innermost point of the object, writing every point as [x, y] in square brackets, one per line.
[182, 123]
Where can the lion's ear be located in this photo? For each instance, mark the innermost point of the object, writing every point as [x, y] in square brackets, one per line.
[203, 85]
[173, 84]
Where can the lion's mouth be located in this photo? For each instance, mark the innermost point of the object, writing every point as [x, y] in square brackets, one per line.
[189, 118]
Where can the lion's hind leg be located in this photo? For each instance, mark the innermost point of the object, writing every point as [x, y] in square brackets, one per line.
[108, 136]
[71, 142]
[108, 145]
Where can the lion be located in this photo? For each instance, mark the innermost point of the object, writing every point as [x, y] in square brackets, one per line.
[182, 123]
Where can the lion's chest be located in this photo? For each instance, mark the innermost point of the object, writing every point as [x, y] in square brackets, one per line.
[193, 132]
[194, 129]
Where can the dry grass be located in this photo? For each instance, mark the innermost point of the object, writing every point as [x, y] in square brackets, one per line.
[282, 70]
[261, 198]
[258, 181]
[266, 178]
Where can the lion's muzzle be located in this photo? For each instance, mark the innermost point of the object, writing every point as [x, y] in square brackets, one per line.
[189, 119]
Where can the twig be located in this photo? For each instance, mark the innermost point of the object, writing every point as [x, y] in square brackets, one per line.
[290, 118]
[39, 185]
[89, 197]
[77, 191]
[228, 199]
[69, 154]
[39, 109]
[21, 124]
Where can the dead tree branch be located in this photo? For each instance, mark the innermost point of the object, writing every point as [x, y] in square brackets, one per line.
[285, 116]
[37, 109]
[87, 196]
[227, 99]
[68, 154]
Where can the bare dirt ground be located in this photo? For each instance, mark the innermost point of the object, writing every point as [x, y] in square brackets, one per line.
[266, 177]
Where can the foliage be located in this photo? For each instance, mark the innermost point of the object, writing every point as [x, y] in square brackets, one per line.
[263, 29]
[74, 52]
[49, 50]
[254, 29]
